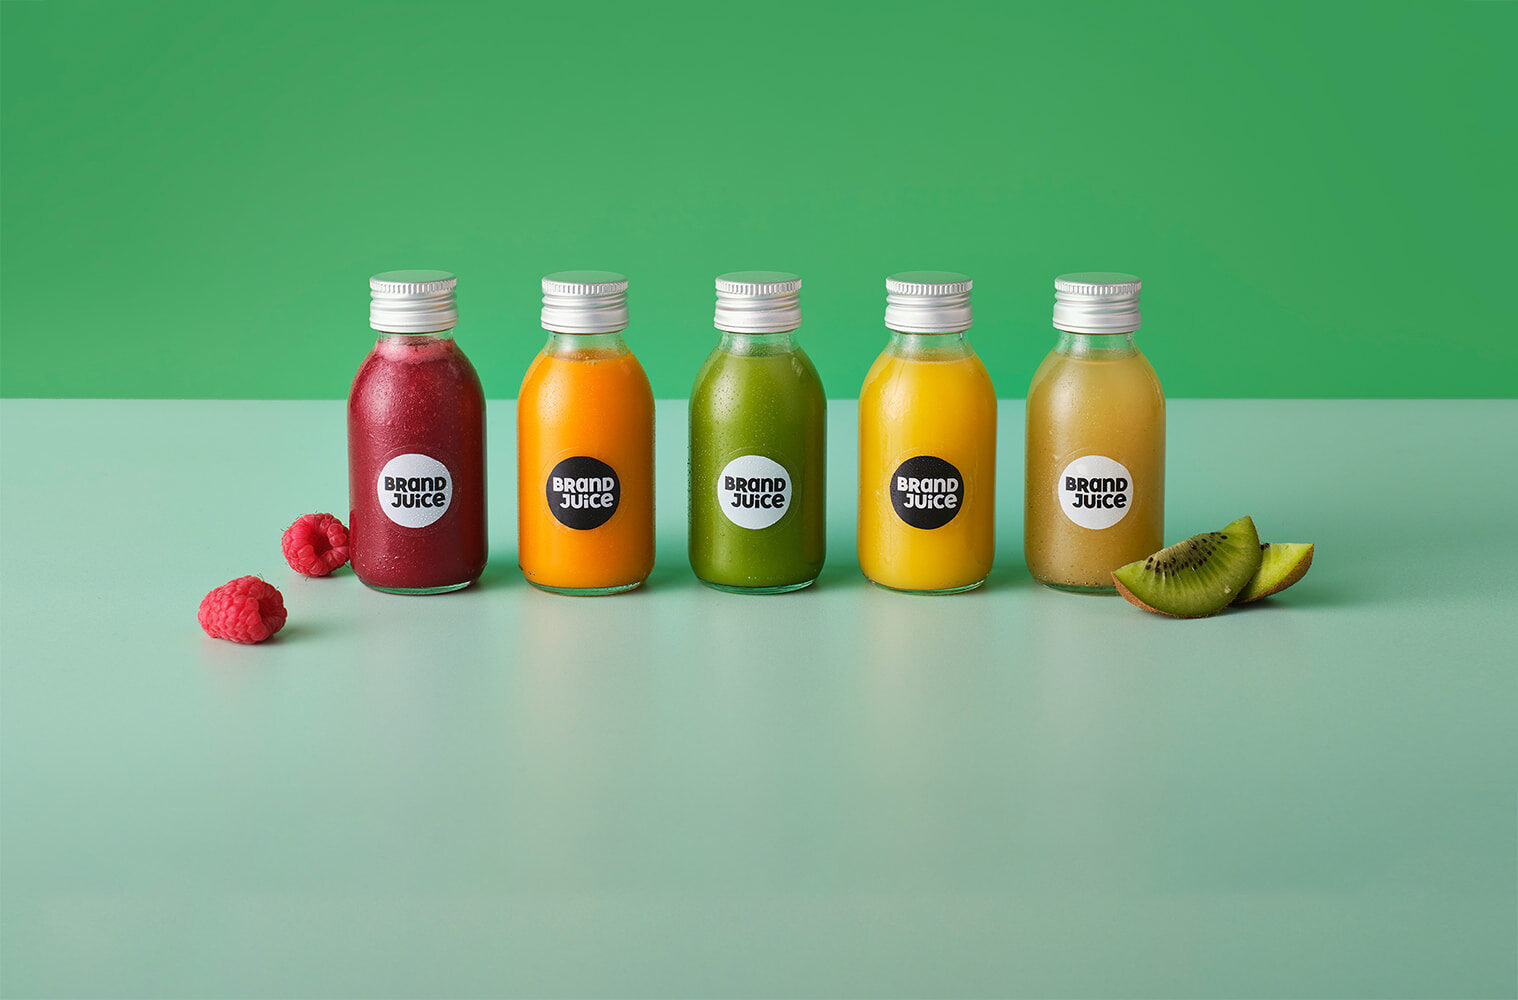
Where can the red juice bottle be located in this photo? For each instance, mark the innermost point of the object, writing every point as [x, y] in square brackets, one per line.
[416, 444]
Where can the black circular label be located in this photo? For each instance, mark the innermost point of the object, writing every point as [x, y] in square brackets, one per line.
[583, 492]
[927, 491]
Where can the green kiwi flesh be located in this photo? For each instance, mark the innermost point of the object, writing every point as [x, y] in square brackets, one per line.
[1281, 565]
[1195, 578]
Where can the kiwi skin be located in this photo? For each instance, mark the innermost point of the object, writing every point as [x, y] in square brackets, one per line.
[1226, 591]
[1128, 596]
[1273, 559]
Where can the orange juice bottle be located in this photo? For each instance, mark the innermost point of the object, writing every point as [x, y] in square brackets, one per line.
[927, 444]
[585, 445]
[1096, 440]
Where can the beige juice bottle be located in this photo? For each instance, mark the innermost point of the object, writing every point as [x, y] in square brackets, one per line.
[1096, 440]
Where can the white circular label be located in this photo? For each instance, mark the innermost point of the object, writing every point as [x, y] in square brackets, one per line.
[414, 490]
[753, 491]
[1094, 491]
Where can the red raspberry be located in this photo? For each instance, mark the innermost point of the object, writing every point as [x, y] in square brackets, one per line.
[244, 610]
[316, 544]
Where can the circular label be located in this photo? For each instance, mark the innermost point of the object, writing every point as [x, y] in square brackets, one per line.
[754, 491]
[414, 490]
[583, 492]
[1094, 491]
[927, 492]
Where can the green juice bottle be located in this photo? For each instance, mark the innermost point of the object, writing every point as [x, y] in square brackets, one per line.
[758, 444]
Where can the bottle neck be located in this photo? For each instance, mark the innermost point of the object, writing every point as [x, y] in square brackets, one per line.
[758, 344]
[929, 346]
[1097, 346]
[585, 346]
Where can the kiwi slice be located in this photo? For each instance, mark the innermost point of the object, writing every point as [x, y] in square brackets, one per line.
[1198, 577]
[1281, 565]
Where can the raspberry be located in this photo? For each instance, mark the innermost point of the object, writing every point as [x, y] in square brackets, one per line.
[316, 544]
[245, 610]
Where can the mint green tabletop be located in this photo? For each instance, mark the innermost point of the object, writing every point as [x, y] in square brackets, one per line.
[680, 792]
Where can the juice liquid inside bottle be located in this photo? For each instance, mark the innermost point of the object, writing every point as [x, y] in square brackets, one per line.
[758, 407]
[585, 467]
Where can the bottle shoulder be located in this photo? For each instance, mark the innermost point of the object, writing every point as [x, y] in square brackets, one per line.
[437, 365]
[735, 387]
[1063, 380]
[772, 369]
[558, 375]
[894, 374]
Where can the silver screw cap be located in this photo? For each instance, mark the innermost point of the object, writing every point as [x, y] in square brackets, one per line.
[413, 302]
[1097, 302]
[758, 302]
[585, 302]
[928, 302]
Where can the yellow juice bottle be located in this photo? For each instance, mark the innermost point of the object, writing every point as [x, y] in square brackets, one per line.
[927, 444]
[1095, 485]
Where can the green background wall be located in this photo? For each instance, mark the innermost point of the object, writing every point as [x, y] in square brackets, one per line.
[1318, 196]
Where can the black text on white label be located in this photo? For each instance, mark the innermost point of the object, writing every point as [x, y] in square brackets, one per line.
[414, 490]
[754, 491]
[1094, 491]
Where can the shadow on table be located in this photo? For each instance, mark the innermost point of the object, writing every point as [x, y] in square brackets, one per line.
[1305, 596]
[300, 631]
[501, 571]
[1009, 572]
[671, 572]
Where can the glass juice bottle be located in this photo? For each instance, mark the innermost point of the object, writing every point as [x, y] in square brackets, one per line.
[585, 445]
[927, 444]
[416, 444]
[758, 427]
[1096, 440]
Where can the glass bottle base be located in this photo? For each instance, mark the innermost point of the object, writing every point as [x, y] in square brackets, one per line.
[1073, 588]
[929, 593]
[417, 591]
[785, 588]
[620, 588]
